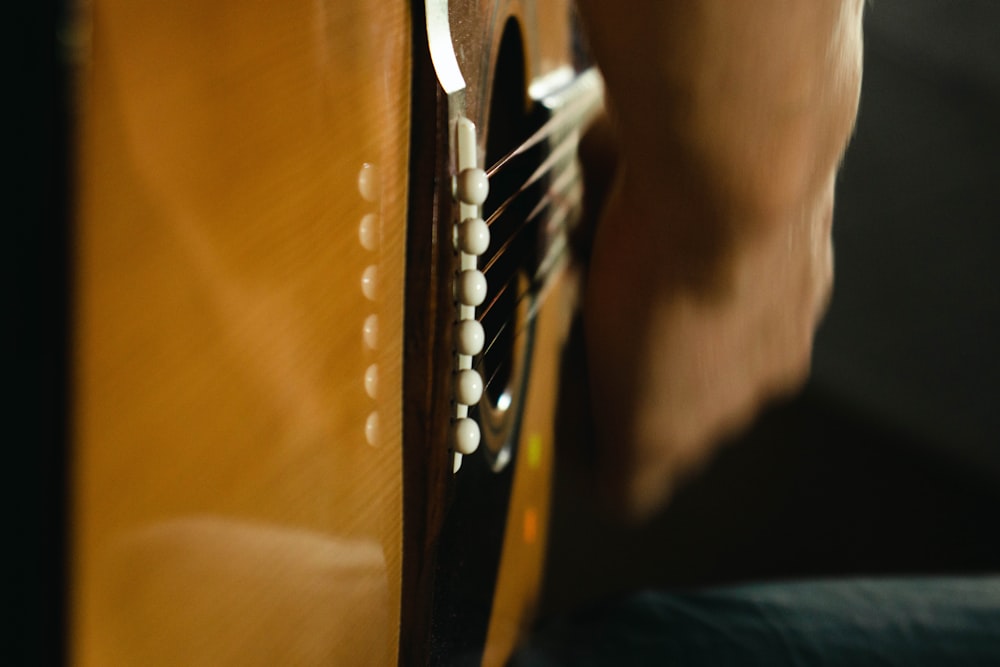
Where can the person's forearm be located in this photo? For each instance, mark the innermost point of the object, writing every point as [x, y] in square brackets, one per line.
[713, 260]
[753, 100]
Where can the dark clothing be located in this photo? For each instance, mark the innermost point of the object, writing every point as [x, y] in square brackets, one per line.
[856, 622]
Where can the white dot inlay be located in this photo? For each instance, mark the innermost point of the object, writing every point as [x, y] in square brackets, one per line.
[468, 387]
[465, 435]
[470, 289]
[369, 282]
[368, 231]
[371, 429]
[368, 182]
[469, 337]
[473, 236]
[371, 381]
[472, 187]
[370, 331]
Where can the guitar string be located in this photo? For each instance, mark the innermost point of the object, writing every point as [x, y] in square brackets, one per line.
[493, 375]
[556, 192]
[565, 146]
[565, 190]
[481, 362]
[558, 217]
[560, 214]
[569, 114]
[496, 297]
[539, 279]
[527, 319]
[503, 327]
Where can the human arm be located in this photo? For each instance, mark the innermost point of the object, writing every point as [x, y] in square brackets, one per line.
[712, 261]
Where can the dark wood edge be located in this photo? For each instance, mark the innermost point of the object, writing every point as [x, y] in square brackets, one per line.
[427, 350]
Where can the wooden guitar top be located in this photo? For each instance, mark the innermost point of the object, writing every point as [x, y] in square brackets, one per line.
[242, 188]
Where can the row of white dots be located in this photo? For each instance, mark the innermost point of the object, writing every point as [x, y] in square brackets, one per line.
[368, 237]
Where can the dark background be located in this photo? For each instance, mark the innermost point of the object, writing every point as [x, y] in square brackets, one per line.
[889, 461]
[36, 183]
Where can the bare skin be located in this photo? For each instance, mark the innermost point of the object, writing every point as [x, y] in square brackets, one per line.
[713, 259]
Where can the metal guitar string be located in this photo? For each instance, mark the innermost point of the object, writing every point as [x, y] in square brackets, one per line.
[564, 204]
[480, 364]
[486, 310]
[556, 218]
[570, 114]
[568, 144]
[506, 360]
[561, 191]
[501, 366]
[551, 260]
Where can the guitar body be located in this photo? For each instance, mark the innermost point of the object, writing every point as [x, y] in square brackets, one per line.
[262, 471]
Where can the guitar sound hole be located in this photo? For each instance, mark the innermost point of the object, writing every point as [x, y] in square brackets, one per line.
[512, 255]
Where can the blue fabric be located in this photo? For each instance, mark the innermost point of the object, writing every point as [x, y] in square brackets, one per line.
[883, 622]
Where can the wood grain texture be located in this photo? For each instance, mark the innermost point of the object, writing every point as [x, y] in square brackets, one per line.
[227, 506]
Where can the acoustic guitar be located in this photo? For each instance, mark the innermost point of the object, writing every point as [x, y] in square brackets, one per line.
[322, 281]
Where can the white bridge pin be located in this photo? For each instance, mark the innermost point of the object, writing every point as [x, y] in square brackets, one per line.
[473, 236]
[465, 435]
[468, 387]
[469, 337]
[470, 289]
[472, 186]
